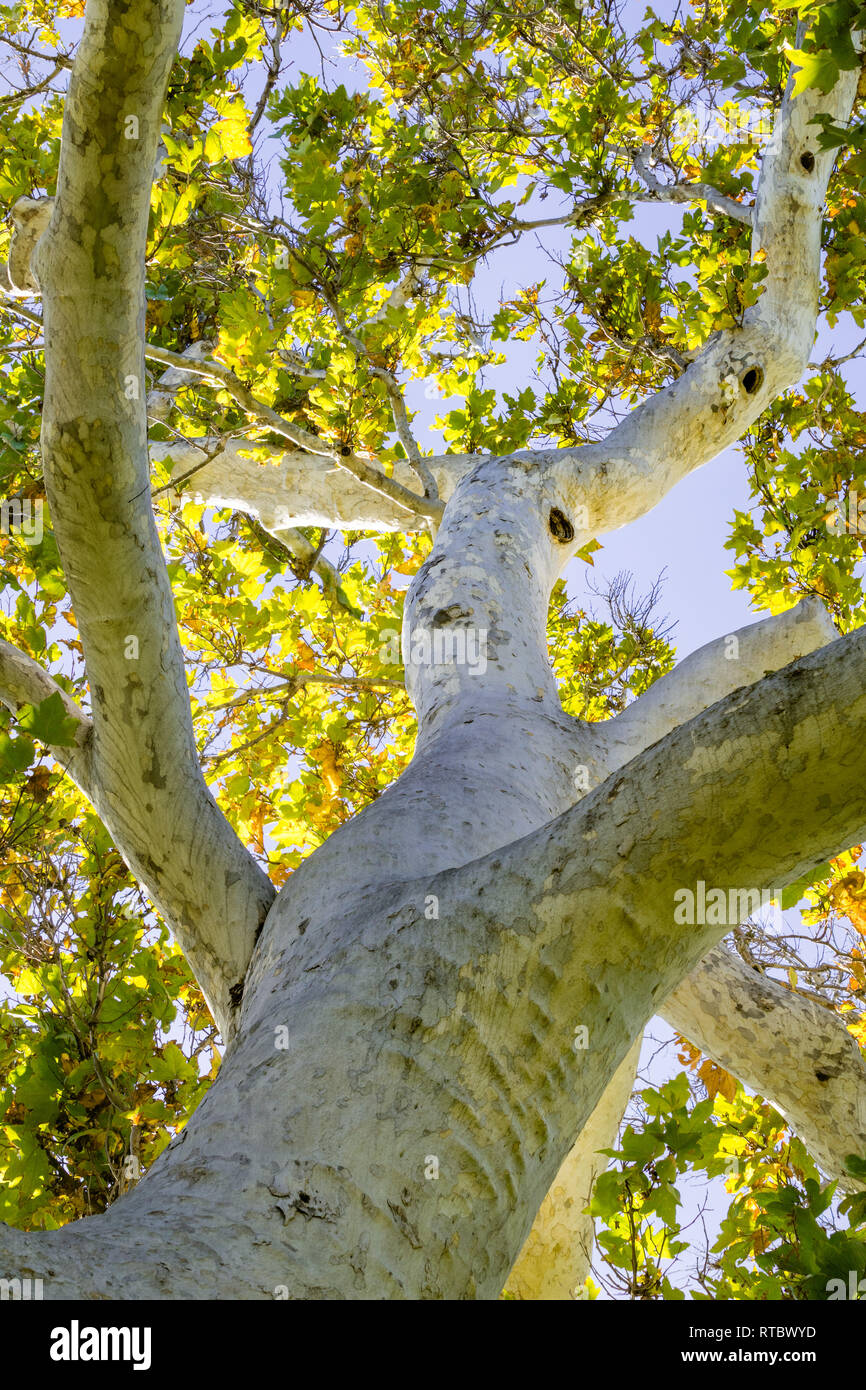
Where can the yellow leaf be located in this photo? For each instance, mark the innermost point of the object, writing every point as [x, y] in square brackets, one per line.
[325, 755]
[306, 657]
[231, 132]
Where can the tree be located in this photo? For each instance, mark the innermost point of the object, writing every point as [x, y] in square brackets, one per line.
[430, 1019]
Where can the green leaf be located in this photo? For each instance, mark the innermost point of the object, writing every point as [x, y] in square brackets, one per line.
[49, 722]
[818, 69]
[794, 892]
[16, 754]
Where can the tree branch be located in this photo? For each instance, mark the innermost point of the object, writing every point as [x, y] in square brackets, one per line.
[689, 192]
[557, 1254]
[714, 670]
[742, 369]
[23, 682]
[797, 1055]
[294, 489]
[411, 502]
[580, 914]
[90, 265]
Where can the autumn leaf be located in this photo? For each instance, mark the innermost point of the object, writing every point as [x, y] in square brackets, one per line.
[717, 1081]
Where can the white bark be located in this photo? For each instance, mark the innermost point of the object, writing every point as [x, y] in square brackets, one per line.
[453, 1037]
[432, 965]
[159, 405]
[23, 682]
[424, 508]
[301, 489]
[90, 266]
[796, 1054]
[557, 1254]
[742, 369]
[714, 670]
[30, 217]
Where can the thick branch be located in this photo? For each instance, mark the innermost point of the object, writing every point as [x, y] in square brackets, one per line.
[717, 668]
[409, 502]
[581, 912]
[90, 265]
[23, 682]
[742, 369]
[298, 489]
[788, 1049]
[797, 1055]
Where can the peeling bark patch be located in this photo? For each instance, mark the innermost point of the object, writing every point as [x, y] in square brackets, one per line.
[307, 1206]
[560, 527]
[404, 1225]
[443, 616]
[153, 775]
[358, 1260]
[301, 1196]
[153, 869]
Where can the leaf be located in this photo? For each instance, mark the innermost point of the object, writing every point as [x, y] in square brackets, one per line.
[16, 754]
[818, 69]
[717, 1081]
[586, 551]
[48, 722]
[794, 892]
[231, 138]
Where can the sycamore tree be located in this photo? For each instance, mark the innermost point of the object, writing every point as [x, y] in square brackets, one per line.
[328, 951]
